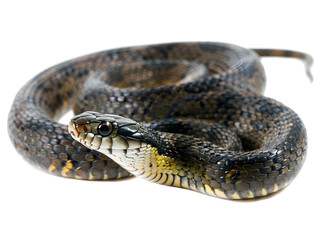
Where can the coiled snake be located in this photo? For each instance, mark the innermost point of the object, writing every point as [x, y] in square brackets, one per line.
[192, 115]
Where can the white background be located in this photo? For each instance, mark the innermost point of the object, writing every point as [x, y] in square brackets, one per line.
[38, 34]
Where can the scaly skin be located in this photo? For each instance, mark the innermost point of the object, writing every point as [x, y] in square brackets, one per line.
[218, 82]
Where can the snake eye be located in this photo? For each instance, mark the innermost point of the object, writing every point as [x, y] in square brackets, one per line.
[105, 129]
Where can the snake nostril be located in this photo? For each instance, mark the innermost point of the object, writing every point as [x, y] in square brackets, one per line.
[72, 133]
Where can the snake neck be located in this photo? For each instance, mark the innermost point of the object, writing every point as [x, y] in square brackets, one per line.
[156, 154]
[147, 161]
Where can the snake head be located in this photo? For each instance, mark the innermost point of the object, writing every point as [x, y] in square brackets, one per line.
[131, 145]
[106, 132]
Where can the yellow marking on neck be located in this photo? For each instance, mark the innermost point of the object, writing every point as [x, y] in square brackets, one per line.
[161, 160]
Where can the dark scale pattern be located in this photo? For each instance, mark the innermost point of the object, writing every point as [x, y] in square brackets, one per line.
[215, 81]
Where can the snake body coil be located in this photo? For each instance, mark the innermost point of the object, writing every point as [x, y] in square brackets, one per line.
[204, 123]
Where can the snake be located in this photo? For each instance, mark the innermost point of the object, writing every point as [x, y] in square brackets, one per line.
[186, 114]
